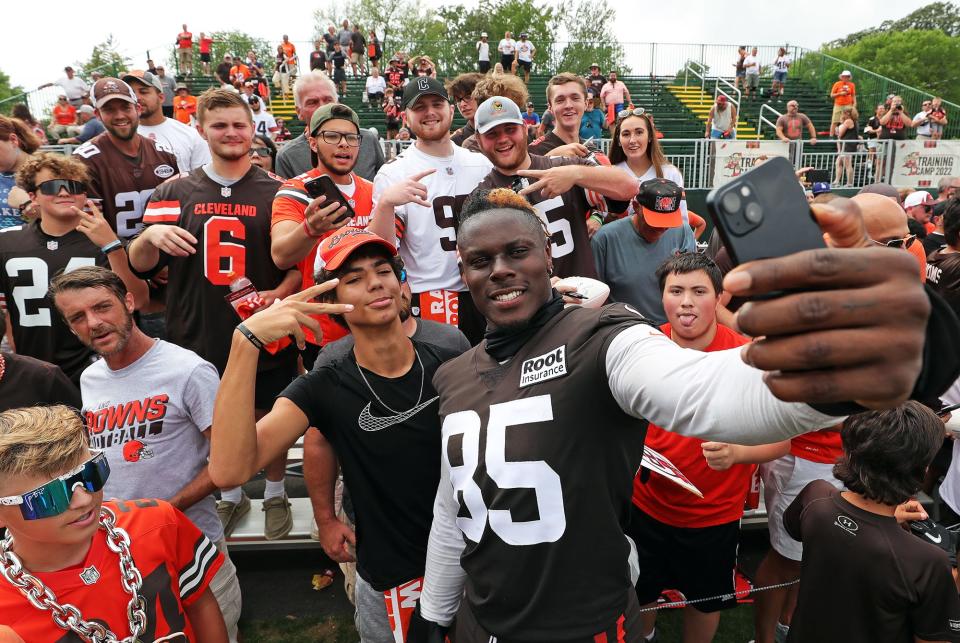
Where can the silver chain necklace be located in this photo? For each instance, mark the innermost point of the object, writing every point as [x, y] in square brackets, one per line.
[377, 397]
[67, 616]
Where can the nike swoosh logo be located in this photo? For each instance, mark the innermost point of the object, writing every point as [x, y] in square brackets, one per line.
[369, 422]
[932, 539]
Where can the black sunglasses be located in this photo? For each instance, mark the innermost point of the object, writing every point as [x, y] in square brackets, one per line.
[259, 151]
[902, 244]
[53, 187]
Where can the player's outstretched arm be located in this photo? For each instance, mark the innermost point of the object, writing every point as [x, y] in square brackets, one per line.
[609, 181]
[239, 445]
[206, 619]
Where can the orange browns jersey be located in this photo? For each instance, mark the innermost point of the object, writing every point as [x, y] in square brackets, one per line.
[240, 72]
[290, 204]
[289, 49]
[819, 446]
[183, 108]
[724, 491]
[176, 560]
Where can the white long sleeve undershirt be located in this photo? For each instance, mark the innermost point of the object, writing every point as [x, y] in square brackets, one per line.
[710, 396]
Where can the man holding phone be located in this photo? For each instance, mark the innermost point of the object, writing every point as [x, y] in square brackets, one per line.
[303, 216]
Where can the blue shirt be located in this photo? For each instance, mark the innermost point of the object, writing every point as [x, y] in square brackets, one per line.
[628, 263]
[591, 125]
[90, 129]
[9, 216]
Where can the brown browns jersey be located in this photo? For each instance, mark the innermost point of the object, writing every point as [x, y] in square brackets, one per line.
[565, 217]
[542, 460]
[943, 275]
[125, 183]
[29, 259]
[232, 228]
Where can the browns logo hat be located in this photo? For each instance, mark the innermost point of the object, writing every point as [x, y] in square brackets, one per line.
[659, 201]
[496, 110]
[422, 86]
[337, 248]
[106, 89]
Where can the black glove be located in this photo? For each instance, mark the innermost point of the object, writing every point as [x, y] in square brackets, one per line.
[424, 631]
[936, 534]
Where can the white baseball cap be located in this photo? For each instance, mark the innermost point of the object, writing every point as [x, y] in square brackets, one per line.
[846, 72]
[920, 197]
[496, 110]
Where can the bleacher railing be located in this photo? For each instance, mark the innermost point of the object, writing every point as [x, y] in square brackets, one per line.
[763, 120]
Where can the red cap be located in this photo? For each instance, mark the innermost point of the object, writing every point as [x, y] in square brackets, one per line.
[721, 98]
[337, 248]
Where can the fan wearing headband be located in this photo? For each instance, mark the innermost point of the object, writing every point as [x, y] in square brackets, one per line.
[70, 232]
[107, 563]
[375, 407]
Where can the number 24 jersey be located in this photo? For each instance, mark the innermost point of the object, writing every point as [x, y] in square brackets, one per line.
[232, 228]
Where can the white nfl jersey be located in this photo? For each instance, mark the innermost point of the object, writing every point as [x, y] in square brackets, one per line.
[427, 237]
[263, 122]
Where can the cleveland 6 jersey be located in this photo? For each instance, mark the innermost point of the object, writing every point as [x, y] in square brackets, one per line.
[29, 259]
[541, 460]
[232, 228]
[125, 183]
[428, 236]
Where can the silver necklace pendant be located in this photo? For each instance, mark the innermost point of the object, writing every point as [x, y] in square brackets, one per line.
[90, 575]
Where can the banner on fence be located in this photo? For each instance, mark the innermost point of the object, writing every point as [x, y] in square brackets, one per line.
[733, 158]
[921, 164]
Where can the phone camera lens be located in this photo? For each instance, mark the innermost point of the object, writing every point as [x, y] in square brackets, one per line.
[731, 202]
[753, 213]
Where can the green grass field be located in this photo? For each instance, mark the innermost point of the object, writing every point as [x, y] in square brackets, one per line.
[736, 626]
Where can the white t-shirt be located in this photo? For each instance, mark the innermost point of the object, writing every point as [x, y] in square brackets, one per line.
[755, 69]
[525, 50]
[782, 63]
[507, 47]
[191, 150]
[264, 123]
[670, 173]
[483, 51]
[924, 129]
[376, 85]
[73, 87]
[149, 418]
[429, 250]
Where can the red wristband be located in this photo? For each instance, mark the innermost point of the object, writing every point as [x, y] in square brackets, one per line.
[307, 230]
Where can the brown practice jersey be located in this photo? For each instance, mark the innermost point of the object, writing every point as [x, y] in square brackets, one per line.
[29, 259]
[125, 183]
[542, 460]
[565, 217]
[232, 228]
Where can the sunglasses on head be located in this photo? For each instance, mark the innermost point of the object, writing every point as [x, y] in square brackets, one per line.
[901, 244]
[639, 111]
[53, 498]
[259, 151]
[53, 187]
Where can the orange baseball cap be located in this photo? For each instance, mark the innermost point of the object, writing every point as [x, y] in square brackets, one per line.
[659, 201]
[337, 248]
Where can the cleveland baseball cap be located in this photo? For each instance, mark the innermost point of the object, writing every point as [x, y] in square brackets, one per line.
[496, 110]
[422, 86]
[659, 201]
[337, 248]
[145, 77]
[106, 89]
[920, 197]
[332, 111]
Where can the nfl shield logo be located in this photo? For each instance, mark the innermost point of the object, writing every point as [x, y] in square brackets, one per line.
[52, 245]
[90, 575]
[225, 191]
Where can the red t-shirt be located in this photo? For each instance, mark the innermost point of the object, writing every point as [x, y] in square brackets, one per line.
[821, 446]
[724, 491]
[185, 40]
[291, 203]
[205, 45]
[176, 560]
[64, 114]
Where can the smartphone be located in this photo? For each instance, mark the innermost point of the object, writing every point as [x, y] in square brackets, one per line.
[763, 213]
[817, 176]
[324, 186]
[948, 409]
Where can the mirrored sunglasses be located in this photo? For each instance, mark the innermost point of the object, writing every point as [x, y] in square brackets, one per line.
[638, 111]
[53, 498]
[53, 187]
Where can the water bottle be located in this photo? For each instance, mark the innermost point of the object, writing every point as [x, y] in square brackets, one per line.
[244, 297]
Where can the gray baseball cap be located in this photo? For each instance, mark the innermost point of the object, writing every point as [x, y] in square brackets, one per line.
[141, 76]
[496, 110]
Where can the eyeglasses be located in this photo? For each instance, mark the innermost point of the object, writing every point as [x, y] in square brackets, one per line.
[639, 111]
[333, 138]
[259, 151]
[53, 498]
[53, 187]
[901, 244]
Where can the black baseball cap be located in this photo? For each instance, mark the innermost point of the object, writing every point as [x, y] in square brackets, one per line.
[659, 201]
[422, 86]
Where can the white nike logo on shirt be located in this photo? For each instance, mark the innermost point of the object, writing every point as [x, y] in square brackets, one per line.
[369, 422]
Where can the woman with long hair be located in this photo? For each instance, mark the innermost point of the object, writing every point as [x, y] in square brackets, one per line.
[17, 143]
[849, 139]
[636, 149]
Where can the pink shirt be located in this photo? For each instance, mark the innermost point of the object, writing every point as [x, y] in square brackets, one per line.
[613, 94]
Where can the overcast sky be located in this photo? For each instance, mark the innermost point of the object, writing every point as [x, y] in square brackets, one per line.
[39, 40]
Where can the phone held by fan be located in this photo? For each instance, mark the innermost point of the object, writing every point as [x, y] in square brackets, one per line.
[324, 186]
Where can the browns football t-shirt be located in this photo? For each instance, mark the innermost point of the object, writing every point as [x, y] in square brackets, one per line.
[943, 275]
